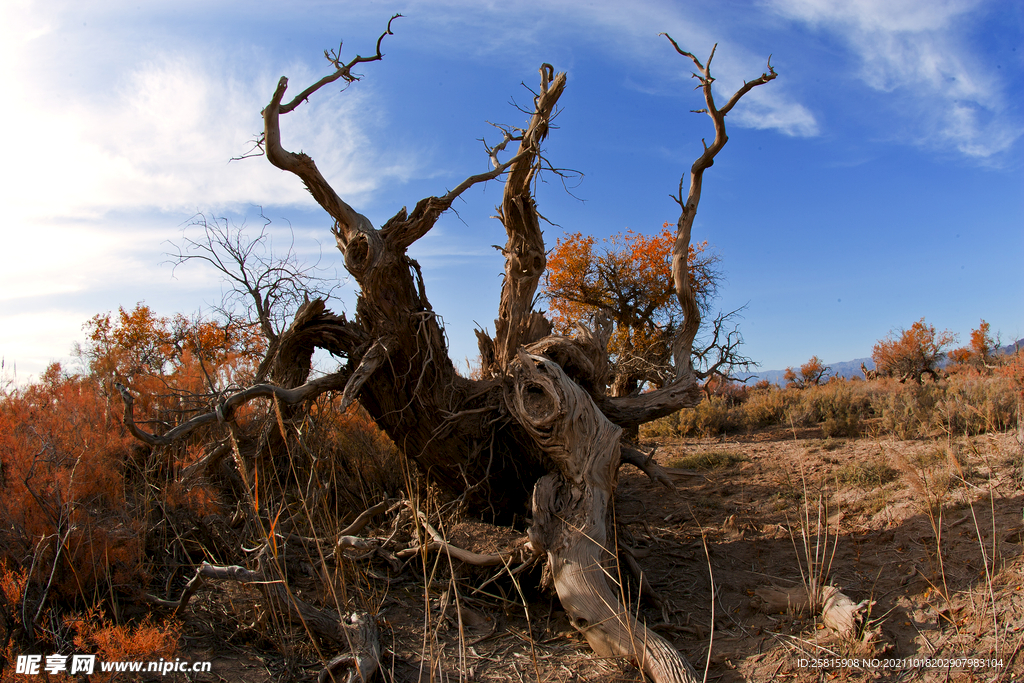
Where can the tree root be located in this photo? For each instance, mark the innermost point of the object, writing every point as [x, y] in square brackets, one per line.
[438, 543]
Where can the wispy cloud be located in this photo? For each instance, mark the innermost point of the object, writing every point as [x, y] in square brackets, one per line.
[164, 137]
[628, 33]
[920, 53]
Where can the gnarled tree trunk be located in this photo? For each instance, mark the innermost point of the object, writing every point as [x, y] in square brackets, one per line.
[541, 434]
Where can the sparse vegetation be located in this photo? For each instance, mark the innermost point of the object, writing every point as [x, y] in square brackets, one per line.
[707, 460]
[89, 592]
[962, 401]
[871, 474]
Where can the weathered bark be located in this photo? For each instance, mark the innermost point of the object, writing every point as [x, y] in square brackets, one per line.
[571, 515]
[683, 347]
[437, 418]
[836, 609]
[517, 324]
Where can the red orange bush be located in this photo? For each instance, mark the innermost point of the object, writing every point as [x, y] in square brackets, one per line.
[62, 488]
[911, 353]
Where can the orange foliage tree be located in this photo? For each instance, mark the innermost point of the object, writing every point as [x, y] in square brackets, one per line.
[911, 353]
[979, 353]
[626, 281]
[811, 374]
[179, 361]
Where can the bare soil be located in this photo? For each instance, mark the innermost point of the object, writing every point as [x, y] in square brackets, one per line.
[929, 532]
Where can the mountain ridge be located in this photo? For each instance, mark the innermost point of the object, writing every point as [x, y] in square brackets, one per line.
[851, 368]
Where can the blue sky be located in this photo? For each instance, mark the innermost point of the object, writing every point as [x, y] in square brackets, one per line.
[879, 179]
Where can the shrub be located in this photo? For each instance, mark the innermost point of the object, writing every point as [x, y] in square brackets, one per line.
[867, 475]
[972, 404]
[663, 426]
[764, 406]
[835, 405]
[707, 460]
[911, 353]
[62, 454]
[94, 633]
[904, 409]
[711, 417]
[351, 452]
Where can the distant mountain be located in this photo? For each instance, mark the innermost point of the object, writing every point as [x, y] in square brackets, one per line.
[851, 368]
[1012, 347]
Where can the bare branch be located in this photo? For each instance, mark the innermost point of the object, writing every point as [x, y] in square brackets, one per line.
[267, 287]
[343, 71]
[360, 522]
[402, 231]
[525, 258]
[719, 356]
[770, 75]
[228, 406]
[349, 221]
[438, 543]
[683, 346]
[645, 463]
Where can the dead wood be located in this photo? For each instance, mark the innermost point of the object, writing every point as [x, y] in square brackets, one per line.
[360, 522]
[570, 515]
[437, 543]
[836, 609]
[364, 656]
[645, 463]
[540, 434]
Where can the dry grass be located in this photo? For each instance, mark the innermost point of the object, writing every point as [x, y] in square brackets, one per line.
[944, 494]
[965, 402]
[707, 460]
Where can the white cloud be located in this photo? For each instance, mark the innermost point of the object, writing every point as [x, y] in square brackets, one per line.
[918, 51]
[775, 112]
[31, 341]
[878, 15]
[55, 259]
[164, 137]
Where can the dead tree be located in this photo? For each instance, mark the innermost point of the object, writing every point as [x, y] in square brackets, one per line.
[541, 434]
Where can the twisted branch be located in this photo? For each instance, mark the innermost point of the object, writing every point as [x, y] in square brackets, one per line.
[225, 410]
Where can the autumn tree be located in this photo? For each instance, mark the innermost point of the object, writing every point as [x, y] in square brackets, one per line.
[811, 374]
[136, 342]
[911, 353]
[177, 363]
[540, 435]
[979, 353]
[625, 281]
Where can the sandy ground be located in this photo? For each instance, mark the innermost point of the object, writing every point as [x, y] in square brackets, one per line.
[928, 532]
